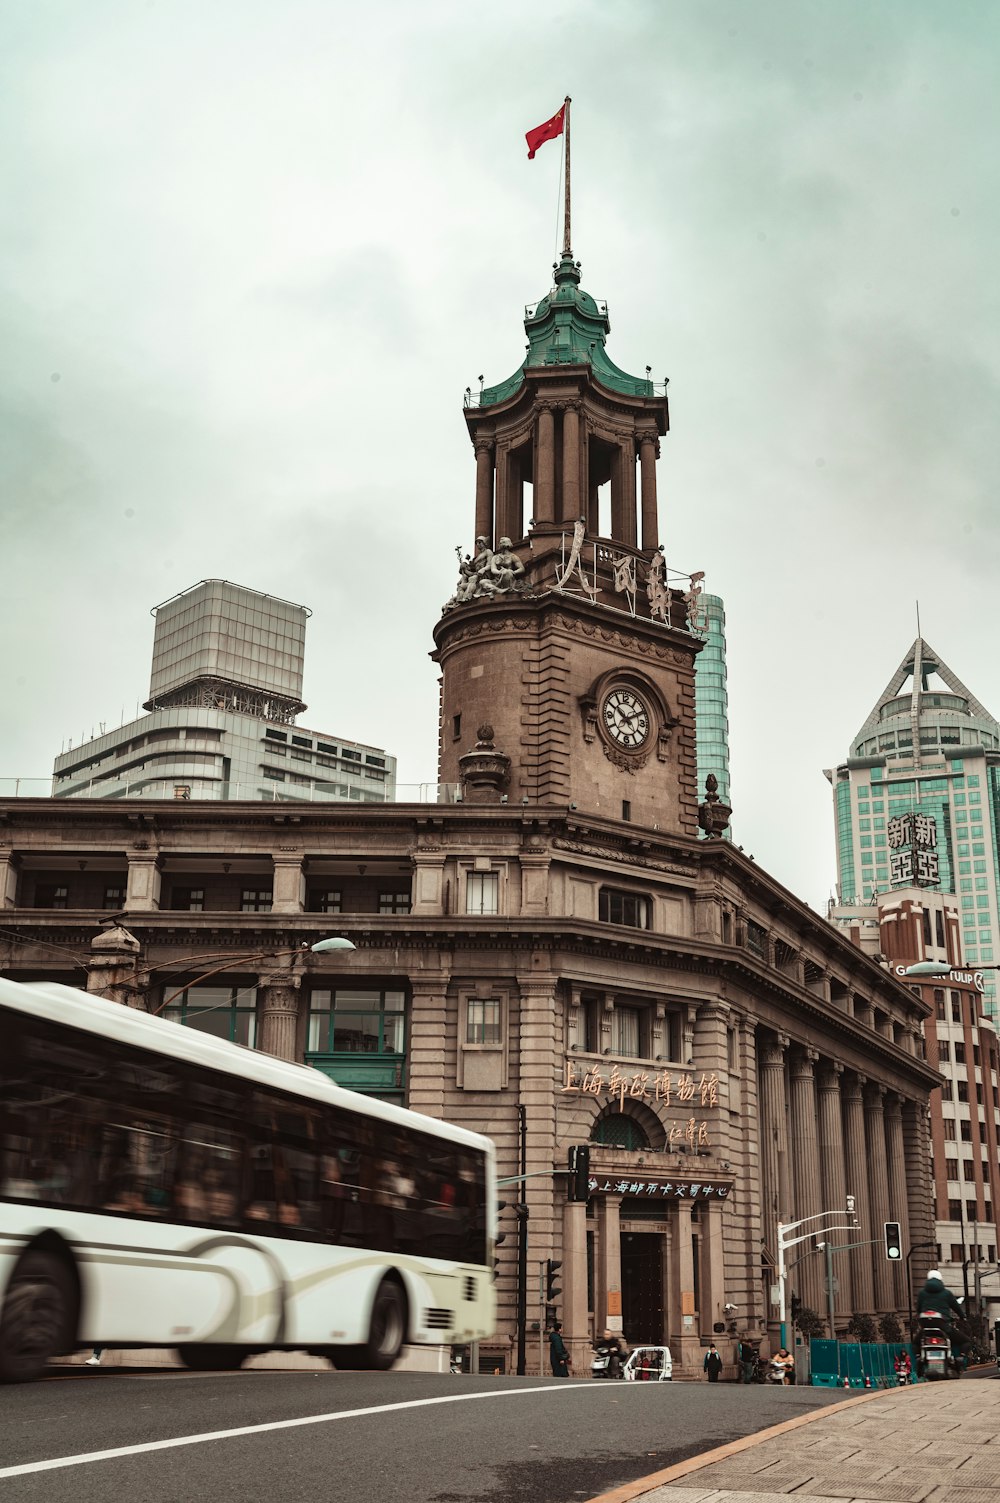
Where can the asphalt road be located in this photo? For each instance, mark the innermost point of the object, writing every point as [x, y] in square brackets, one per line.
[363, 1437]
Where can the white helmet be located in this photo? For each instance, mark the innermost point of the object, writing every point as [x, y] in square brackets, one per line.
[933, 1273]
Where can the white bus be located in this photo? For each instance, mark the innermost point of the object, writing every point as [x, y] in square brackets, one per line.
[160, 1187]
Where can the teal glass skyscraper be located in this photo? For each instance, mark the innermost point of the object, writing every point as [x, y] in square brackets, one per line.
[918, 800]
[711, 699]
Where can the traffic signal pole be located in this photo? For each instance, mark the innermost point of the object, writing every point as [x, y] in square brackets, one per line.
[522, 1253]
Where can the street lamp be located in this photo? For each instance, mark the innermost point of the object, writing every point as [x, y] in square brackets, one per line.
[942, 968]
[335, 942]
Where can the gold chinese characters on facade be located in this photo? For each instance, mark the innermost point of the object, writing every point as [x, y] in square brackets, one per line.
[660, 1087]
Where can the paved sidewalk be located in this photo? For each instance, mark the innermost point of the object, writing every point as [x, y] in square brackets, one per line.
[935, 1443]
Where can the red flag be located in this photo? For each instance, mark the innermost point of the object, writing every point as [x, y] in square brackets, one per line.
[546, 132]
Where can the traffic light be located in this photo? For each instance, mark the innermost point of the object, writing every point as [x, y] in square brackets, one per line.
[893, 1241]
[579, 1172]
[552, 1289]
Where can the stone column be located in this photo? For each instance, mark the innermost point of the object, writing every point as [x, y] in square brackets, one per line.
[142, 892]
[648, 445]
[808, 1277]
[279, 1016]
[545, 484]
[878, 1193]
[484, 489]
[831, 1152]
[898, 1207]
[112, 970]
[608, 1261]
[773, 1138]
[289, 883]
[746, 1206]
[862, 1286]
[571, 501]
[576, 1332]
[919, 1190]
[428, 882]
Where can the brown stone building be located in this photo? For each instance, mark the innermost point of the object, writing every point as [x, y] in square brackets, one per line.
[555, 954]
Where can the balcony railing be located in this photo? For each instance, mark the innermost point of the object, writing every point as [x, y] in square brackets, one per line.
[216, 791]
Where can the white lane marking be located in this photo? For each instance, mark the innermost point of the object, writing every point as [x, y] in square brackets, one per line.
[309, 1419]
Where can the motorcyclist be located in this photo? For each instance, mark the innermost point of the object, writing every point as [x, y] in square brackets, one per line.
[617, 1351]
[935, 1297]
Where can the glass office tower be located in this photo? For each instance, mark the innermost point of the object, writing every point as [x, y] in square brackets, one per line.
[711, 699]
[918, 799]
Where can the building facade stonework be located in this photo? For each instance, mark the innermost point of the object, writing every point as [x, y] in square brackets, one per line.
[558, 958]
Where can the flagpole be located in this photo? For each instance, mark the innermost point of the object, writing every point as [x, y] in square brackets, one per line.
[567, 251]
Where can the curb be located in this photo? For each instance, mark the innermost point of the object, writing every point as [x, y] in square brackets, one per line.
[630, 1490]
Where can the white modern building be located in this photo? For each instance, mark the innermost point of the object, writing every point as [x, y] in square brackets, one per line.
[225, 689]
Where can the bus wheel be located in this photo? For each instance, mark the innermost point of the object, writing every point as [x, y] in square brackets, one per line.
[38, 1318]
[386, 1333]
[202, 1357]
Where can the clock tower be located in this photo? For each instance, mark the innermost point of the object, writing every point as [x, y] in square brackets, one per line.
[567, 651]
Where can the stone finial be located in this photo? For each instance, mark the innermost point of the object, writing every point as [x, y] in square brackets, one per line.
[485, 771]
[713, 816]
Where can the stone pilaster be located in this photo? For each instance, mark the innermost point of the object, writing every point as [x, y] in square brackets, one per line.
[571, 500]
[538, 1080]
[878, 1193]
[545, 488]
[745, 1225]
[142, 893]
[685, 1340]
[10, 865]
[289, 893]
[862, 1285]
[429, 1045]
[427, 893]
[831, 1153]
[713, 1266]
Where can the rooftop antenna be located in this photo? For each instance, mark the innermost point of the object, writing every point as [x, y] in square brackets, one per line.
[918, 617]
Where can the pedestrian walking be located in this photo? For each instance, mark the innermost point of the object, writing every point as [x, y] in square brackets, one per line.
[748, 1362]
[713, 1363]
[94, 1360]
[558, 1355]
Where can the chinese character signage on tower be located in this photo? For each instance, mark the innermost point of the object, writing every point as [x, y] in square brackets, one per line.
[913, 854]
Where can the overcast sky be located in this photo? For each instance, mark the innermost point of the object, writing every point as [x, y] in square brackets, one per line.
[253, 251]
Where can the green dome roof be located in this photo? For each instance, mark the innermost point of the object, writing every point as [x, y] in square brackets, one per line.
[568, 327]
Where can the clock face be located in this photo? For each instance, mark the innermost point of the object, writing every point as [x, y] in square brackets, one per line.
[626, 718]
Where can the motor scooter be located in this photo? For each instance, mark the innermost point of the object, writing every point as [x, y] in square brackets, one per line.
[935, 1359]
[780, 1370]
[607, 1361]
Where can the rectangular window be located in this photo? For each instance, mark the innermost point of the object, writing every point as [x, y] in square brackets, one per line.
[626, 1030]
[951, 1169]
[948, 1124]
[114, 897]
[483, 1021]
[51, 895]
[394, 902]
[188, 900]
[628, 908]
[482, 893]
[944, 1049]
[959, 1053]
[968, 1169]
[326, 900]
[256, 900]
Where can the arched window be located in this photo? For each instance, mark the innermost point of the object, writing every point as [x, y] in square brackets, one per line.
[619, 1131]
